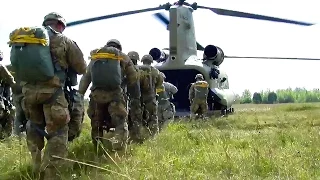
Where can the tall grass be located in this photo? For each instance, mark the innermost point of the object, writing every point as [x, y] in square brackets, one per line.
[257, 142]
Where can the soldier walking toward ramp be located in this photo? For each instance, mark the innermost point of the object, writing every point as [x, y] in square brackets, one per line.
[166, 109]
[135, 112]
[150, 79]
[6, 109]
[198, 94]
[41, 57]
[20, 120]
[107, 108]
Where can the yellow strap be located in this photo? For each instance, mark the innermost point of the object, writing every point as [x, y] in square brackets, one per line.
[96, 56]
[204, 85]
[30, 38]
[159, 90]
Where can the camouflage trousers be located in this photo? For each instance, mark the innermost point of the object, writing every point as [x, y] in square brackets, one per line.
[107, 111]
[135, 120]
[47, 112]
[20, 120]
[6, 122]
[199, 107]
[76, 117]
[166, 113]
[150, 109]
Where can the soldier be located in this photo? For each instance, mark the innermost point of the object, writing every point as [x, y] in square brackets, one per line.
[166, 109]
[20, 120]
[150, 79]
[107, 104]
[198, 94]
[6, 110]
[44, 102]
[135, 113]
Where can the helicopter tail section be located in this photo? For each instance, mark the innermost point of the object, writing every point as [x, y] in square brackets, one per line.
[182, 34]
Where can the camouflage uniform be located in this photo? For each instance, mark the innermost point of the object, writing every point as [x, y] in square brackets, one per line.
[149, 100]
[46, 107]
[198, 99]
[107, 107]
[135, 112]
[20, 118]
[6, 112]
[166, 109]
[76, 116]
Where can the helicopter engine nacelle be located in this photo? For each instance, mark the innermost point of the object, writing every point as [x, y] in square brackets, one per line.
[158, 55]
[214, 54]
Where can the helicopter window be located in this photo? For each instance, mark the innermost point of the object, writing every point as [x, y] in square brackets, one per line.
[182, 79]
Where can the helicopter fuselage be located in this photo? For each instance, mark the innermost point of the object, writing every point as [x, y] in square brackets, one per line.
[220, 97]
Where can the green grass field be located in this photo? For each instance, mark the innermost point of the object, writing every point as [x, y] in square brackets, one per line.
[257, 142]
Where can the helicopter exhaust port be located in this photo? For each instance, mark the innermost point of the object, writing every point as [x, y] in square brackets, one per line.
[158, 55]
[214, 54]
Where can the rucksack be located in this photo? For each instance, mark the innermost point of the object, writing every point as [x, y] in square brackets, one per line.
[201, 89]
[106, 68]
[162, 95]
[30, 54]
[146, 82]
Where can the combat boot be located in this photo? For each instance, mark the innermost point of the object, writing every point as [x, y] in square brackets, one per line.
[36, 162]
[120, 138]
[153, 127]
[51, 173]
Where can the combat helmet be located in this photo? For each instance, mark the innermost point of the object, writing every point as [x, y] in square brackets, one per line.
[1, 55]
[114, 42]
[199, 76]
[133, 55]
[147, 59]
[54, 16]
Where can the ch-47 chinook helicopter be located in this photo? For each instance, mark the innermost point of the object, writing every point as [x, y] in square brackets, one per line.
[181, 63]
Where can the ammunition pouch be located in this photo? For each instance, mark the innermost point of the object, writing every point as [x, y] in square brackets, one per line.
[72, 77]
[71, 80]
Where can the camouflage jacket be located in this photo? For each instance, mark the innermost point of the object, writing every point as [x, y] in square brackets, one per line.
[6, 76]
[16, 89]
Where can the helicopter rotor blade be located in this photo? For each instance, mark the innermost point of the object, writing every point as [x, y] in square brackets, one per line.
[288, 58]
[226, 12]
[165, 21]
[165, 6]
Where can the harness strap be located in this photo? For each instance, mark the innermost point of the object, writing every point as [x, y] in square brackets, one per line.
[40, 130]
[54, 96]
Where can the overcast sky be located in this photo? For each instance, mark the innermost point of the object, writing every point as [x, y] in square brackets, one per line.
[236, 36]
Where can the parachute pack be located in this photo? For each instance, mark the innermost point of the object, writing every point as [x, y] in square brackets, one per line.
[30, 54]
[106, 69]
[201, 89]
[146, 82]
[163, 96]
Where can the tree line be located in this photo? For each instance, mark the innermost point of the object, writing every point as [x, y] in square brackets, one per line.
[289, 95]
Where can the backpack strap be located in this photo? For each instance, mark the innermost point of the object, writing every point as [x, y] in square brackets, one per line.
[59, 71]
